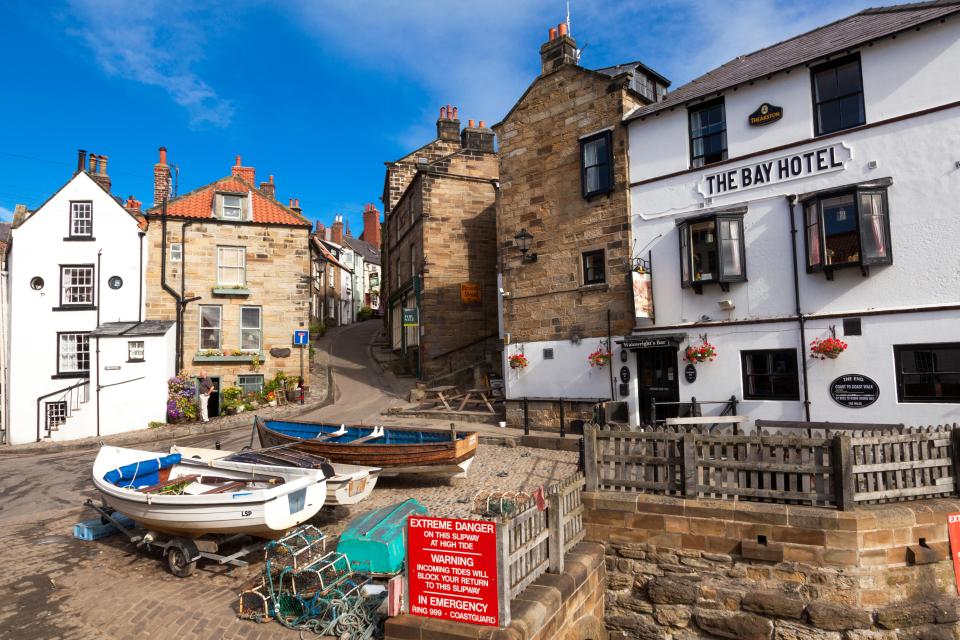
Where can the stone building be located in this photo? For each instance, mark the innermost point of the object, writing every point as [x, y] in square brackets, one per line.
[565, 252]
[439, 257]
[327, 279]
[231, 264]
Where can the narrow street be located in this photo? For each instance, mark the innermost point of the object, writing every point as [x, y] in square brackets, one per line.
[58, 587]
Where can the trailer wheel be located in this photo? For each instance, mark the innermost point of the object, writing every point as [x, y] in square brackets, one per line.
[178, 563]
[108, 511]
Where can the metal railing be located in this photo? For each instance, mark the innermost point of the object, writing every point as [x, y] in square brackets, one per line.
[525, 402]
[695, 407]
[76, 394]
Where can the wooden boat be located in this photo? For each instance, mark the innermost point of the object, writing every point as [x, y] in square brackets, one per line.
[348, 485]
[169, 494]
[395, 450]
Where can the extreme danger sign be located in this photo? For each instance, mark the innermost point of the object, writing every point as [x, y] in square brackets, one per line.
[452, 569]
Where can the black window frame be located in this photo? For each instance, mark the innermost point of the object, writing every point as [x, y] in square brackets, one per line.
[93, 287]
[83, 237]
[687, 277]
[710, 104]
[78, 373]
[857, 192]
[898, 350]
[607, 159]
[744, 375]
[832, 65]
[603, 266]
[143, 351]
[56, 404]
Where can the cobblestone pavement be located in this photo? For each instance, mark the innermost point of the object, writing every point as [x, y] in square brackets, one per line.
[54, 586]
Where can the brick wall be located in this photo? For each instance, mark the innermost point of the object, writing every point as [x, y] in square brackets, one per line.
[277, 272]
[541, 191]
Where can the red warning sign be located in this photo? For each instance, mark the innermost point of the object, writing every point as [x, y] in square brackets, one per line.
[452, 569]
[953, 530]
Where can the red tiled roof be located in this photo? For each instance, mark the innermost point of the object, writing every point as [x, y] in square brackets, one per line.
[329, 256]
[199, 204]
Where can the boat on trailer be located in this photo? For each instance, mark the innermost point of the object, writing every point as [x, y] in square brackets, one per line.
[348, 485]
[170, 494]
[396, 450]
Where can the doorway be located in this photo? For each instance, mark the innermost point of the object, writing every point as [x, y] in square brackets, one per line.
[657, 377]
[213, 406]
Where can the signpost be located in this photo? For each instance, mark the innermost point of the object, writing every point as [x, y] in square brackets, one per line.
[301, 338]
[452, 570]
[854, 391]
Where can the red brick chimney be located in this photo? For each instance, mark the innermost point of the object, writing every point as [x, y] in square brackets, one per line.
[336, 230]
[133, 205]
[244, 173]
[319, 230]
[269, 189]
[448, 124]
[161, 179]
[371, 225]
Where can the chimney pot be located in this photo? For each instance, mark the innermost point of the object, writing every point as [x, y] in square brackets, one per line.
[470, 123]
[102, 169]
[482, 124]
[553, 33]
[163, 155]
[93, 163]
[455, 116]
[449, 111]
[441, 112]
[238, 161]
[271, 179]
[562, 29]
[81, 159]
[290, 206]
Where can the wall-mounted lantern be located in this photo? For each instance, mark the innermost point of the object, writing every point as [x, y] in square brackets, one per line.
[523, 243]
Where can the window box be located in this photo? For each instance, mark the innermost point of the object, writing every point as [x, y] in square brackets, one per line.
[231, 291]
[712, 250]
[223, 357]
[847, 228]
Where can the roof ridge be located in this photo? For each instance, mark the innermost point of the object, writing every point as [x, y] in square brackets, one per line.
[908, 6]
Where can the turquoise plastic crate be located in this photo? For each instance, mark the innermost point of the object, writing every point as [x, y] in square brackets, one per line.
[375, 541]
[95, 529]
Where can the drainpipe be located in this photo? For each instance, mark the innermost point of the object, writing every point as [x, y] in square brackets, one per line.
[791, 203]
[140, 297]
[96, 374]
[184, 301]
[163, 282]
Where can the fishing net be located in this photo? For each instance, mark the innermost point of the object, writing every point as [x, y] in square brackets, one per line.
[500, 503]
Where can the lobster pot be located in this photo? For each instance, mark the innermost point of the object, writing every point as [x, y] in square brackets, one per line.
[500, 503]
[254, 605]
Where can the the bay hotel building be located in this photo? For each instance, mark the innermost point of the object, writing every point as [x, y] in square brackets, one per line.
[805, 191]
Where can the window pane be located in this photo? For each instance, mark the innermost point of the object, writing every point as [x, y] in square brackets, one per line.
[826, 85]
[593, 179]
[848, 78]
[76, 285]
[250, 317]
[851, 111]
[841, 242]
[250, 383]
[135, 350]
[811, 213]
[250, 328]
[81, 215]
[873, 226]
[828, 115]
[591, 153]
[593, 267]
[685, 254]
[703, 242]
[770, 375]
[74, 352]
[730, 236]
[929, 373]
[210, 317]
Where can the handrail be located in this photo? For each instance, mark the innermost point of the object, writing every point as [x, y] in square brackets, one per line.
[53, 393]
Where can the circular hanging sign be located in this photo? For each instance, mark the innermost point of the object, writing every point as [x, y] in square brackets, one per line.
[625, 374]
[690, 373]
[854, 391]
[115, 282]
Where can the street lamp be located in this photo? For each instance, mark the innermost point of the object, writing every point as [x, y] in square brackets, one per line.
[523, 243]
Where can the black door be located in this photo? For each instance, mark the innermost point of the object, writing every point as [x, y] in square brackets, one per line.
[213, 406]
[658, 380]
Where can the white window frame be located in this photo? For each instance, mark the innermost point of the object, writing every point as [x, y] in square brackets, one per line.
[240, 382]
[258, 328]
[69, 289]
[218, 328]
[86, 219]
[176, 252]
[238, 208]
[242, 268]
[56, 413]
[135, 350]
[72, 339]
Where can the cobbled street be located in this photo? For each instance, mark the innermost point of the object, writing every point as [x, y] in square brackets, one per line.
[57, 587]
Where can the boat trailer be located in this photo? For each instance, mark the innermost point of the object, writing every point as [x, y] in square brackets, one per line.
[181, 553]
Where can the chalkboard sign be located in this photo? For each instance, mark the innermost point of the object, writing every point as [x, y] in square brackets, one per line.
[854, 391]
[625, 374]
[690, 373]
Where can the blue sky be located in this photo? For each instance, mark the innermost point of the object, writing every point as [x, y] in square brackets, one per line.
[319, 94]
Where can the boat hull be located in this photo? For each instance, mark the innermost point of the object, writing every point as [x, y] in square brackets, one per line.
[436, 458]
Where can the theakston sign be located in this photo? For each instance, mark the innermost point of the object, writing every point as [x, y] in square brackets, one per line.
[802, 164]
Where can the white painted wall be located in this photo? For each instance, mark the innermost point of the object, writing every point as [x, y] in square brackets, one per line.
[38, 249]
[916, 71]
[134, 404]
[568, 375]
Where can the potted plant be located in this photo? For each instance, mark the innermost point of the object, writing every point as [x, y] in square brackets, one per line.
[600, 357]
[270, 398]
[827, 348]
[702, 353]
[231, 400]
[518, 361]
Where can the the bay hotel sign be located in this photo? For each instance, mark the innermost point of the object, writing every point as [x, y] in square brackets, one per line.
[803, 164]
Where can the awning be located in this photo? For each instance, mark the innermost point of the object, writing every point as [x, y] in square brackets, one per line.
[652, 342]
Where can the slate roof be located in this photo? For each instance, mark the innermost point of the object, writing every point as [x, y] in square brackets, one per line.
[199, 204]
[132, 329]
[327, 255]
[633, 66]
[367, 251]
[846, 33]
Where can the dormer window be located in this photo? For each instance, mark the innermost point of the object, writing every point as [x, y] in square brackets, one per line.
[231, 206]
[712, 250]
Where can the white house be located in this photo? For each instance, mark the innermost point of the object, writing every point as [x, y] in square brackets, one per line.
[76, 269]
[803, 192]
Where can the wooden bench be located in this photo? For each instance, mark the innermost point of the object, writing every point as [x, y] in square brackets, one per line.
[477, 397]
[441, 395]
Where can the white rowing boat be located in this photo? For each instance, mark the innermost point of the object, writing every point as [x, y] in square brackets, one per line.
[169, 493]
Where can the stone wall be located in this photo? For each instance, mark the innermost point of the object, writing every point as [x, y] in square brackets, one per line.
[545, 416]
[277, 275]
[711, 568]
[540, 186]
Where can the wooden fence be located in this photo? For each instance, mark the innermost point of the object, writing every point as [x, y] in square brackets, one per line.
[532, 542]
[838, 471]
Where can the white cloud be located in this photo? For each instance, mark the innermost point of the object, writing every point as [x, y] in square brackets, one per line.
[156, 44]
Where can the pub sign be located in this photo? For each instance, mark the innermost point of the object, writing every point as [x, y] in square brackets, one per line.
[469, 292]
[765, 114]
[854, 391]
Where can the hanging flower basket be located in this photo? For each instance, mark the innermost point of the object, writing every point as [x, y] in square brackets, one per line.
[827, 348]
[702, 353]
[600, 357]
[518, 361]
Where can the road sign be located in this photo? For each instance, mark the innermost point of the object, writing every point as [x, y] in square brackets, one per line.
[301, 337]
[452, 569]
